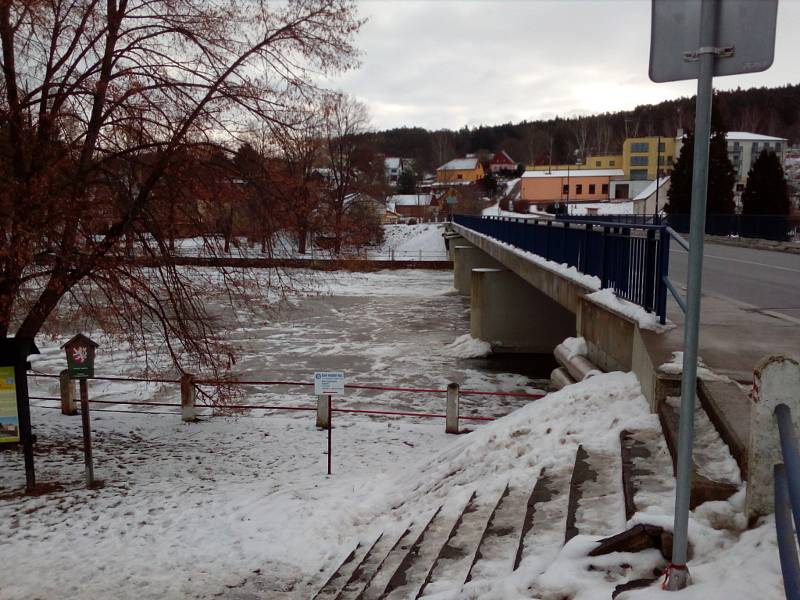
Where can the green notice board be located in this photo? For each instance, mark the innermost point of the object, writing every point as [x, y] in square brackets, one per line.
[9, 420]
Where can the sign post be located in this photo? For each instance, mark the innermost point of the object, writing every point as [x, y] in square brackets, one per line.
[328, 383]
[15, 412]
[80, 352]
[698, 40]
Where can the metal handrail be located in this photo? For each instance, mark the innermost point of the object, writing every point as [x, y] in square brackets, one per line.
[631, 259]
[787, 501]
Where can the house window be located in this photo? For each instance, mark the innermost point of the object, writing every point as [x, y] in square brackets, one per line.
[735, 145]
[591, 188]
[777, 146]
[578, 189]
[639, 174]
[662, 147]
[459, 176]
[640, 147]
[597, 163]
[621, 191]
[639, 161]
[612, 163]
[669, 159]
[604, 189]
[565, 189]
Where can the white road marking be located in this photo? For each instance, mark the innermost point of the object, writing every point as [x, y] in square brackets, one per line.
[745, 262]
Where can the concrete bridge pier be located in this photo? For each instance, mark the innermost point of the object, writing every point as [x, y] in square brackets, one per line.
[513, 316]
[465, 258]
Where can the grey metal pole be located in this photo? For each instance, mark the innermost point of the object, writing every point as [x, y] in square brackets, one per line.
[678, 575]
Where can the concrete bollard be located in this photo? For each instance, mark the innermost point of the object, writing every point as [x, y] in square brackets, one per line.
[776, 380]
[187, 398]
[451, 421]
[67, 394]
[323, 411]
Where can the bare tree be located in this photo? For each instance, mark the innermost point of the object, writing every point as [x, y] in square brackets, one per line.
[100, 101]
[346, 120]
[580, 130]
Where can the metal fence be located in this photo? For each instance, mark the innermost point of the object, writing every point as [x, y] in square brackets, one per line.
[787, 502]
[768, 227]
[633, 260]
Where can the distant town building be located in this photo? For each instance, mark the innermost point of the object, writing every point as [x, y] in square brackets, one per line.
[394, 165]
[543, 188]
[643, 157]
[417, 206]
[501, 161]
[604, 161]
[651, 200]
[460, 170]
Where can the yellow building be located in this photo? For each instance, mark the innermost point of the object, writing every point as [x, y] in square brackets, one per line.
[641, 156]
[460, 170]
[604, 161]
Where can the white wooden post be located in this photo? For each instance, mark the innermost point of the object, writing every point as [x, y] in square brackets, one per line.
[451, 421]
[323, 411]
[187, 398]
[67, 393]
[776, 380]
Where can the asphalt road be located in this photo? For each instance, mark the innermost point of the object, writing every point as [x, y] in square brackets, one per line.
[764, 279]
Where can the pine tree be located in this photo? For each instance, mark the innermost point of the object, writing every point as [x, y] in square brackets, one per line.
[721, 179]
[766, 192]
[406, 182]
[765, 201]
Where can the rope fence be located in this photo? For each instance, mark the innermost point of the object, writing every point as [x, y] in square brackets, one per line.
[271, 407]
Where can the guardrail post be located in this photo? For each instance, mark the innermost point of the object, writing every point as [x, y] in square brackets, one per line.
[67, 393]
[188, 393]
[451, 422]
[776, 380]
[323, 411]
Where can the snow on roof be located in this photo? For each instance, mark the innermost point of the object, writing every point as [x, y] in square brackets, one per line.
[575, 173]
[410, 199]
[751, 137]
[459, 164]
[651, 188]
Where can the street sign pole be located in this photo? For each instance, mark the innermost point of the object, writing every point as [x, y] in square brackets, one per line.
[678, 574]
[330, 431]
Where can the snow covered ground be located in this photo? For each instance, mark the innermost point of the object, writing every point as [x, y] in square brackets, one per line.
[205, 510]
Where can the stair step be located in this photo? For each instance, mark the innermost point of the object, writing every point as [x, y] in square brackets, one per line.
[594, 507]
[498, 547]
[713, 477]
[362, 575]
[454, 561]
[376, 587]
[646, 469]
[728, 407]
[414, 572]
[543, 528]
[337, 581]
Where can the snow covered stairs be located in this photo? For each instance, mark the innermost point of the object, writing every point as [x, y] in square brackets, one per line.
[716, 474]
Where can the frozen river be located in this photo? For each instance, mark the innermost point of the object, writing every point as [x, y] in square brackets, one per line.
[387, 329]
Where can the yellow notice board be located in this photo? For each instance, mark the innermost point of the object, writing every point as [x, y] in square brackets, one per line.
[9, 420]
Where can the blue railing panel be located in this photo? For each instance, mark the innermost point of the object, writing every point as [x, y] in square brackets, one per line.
[630, 258]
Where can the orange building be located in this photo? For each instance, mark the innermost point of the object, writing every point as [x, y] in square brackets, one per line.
[584, 185]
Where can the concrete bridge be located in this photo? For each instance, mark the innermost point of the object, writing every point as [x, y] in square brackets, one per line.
[522, 302]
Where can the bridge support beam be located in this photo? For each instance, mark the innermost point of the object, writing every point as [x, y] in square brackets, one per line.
[513, 316]
[466, 258]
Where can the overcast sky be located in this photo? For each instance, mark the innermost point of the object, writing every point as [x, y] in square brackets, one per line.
[444, 64]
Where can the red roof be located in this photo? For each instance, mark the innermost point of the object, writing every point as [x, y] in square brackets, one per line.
[501, 158]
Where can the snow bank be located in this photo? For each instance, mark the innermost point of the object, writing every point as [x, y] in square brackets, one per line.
[636, 313]
[467, 346]
[675, 367]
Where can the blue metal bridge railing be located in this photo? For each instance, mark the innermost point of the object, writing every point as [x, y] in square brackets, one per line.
[787, 502]
[633, 260]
